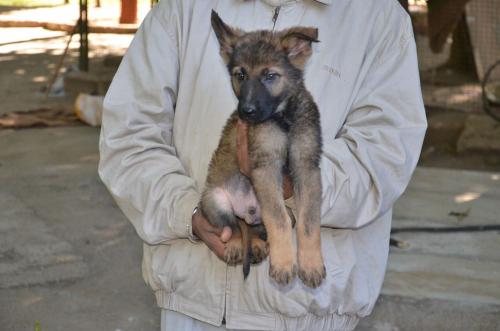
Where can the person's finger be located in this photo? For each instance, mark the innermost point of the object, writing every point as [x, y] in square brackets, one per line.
[217, 231]
[215, 244]
[212, 236]
[205, 226]
[226, 234]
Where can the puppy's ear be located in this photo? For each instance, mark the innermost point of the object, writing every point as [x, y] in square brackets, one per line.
[297, 44]
[226, 35]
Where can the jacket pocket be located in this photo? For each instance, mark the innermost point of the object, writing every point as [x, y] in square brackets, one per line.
[155, 258]
[190, 270]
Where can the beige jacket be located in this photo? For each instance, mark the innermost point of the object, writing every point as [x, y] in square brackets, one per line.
[163, 116]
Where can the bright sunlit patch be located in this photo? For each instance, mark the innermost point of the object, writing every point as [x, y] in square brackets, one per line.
[20, 71]
[5, 58]
[466, 197]
[495, 177]
[31, 300]
[66, 258]
[69, 166]
[91, 157]
[39, 79]
[467, 95]
[24, 49]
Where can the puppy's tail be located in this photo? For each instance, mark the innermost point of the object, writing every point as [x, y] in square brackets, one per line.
[247, 246]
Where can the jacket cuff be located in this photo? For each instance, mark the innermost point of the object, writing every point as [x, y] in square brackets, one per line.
[185, 228]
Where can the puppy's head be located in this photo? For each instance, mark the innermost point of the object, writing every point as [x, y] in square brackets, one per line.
[265, 67]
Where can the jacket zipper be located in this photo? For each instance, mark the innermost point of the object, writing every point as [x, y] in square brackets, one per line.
[275, 16]
[225, 300]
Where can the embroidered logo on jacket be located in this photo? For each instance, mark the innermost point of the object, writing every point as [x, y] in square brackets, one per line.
[331, 70]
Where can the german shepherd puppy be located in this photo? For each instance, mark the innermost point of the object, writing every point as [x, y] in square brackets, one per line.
[284, 134]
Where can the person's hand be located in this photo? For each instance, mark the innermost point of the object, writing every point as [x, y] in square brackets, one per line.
[244, 163]
[213, 237]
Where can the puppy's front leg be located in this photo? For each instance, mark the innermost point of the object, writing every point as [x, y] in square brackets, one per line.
[267, 145]
[305, 151]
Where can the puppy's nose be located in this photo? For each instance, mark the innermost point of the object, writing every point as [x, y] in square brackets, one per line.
[249, 109]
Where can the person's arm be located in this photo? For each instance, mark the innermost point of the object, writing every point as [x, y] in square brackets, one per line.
[138, 161]
[369, 163]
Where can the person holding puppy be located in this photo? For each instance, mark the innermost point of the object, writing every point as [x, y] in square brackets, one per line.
[163, 116]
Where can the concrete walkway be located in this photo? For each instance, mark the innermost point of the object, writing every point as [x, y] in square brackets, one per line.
[443, 281]
[70, 260]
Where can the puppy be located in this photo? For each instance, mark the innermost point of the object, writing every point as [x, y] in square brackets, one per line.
[284, 134]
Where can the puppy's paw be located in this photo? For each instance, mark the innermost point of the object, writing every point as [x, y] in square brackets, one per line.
[260, 250]
[283, 273]
[233, 252]
[312, 271]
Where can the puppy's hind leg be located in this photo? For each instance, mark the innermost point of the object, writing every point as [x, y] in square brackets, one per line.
[260, 247]
[216, 207]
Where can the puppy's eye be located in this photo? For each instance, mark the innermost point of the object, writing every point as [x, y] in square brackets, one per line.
[270, 76]
[240, 76]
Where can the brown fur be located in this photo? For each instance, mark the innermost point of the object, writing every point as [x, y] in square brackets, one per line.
[266, 71]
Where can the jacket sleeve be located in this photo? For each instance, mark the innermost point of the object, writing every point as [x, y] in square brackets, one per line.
[138, 161]
[369, 163]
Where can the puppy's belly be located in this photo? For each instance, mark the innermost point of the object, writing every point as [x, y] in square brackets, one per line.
[238, 195]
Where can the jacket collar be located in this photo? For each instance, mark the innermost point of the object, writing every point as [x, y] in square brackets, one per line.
[282, 2]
